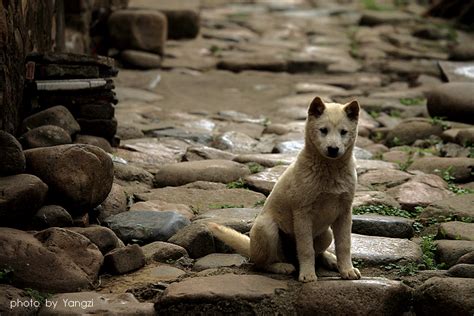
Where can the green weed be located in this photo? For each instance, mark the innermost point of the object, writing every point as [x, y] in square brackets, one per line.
[221, 206]
[255, 167]
[37, 295]
[382, 209]
[440, 121]
[448, 176]
[259, 203]
[412, 101]
[239, 184]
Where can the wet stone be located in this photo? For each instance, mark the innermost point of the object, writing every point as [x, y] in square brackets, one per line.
[217, 260]
[236, 142]
[385, 226]
[376, 251]
[146, 226]
[265, 181]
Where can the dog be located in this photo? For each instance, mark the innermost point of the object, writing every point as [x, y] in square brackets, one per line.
[311, 201]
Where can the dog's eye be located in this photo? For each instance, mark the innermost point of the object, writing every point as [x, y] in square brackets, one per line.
[323, 130]
[343, 132]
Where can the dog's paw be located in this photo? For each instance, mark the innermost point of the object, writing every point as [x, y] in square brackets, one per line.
[307, 277]
[281, 268]
[351, 274]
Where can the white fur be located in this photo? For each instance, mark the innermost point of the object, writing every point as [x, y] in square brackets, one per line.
[311, 200]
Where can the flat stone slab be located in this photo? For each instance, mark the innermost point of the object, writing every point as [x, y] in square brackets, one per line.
[376, 251]
[202, 200]
[223, 171]
[217, 260]
[385, 226]
[362, 198]
[457, 71]
[375, 296]
[384, 178]
[90, 303]
[364, 165]
[459, 205]
[240, 219]
[265, 181]
[221, 287]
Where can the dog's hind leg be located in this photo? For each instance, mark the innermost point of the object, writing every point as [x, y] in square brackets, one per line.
[321, 243]
[265, 247]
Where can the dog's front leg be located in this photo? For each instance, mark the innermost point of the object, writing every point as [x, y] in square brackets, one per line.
[342, 238]
[303, 229]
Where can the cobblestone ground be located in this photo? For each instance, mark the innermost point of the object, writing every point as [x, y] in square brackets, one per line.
[206, 137]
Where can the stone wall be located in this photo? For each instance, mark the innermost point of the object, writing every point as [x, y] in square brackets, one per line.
[25, 26]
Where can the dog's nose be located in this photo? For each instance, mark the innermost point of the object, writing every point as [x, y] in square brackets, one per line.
[333, 151]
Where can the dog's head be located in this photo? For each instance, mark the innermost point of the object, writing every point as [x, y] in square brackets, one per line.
[332, 127]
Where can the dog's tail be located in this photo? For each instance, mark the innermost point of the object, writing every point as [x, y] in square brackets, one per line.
[239, 242]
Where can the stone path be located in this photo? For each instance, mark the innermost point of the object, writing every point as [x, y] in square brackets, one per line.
[206, 137]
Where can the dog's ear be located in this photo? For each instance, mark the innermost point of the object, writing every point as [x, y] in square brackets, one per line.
[352, 110]
[317, 107]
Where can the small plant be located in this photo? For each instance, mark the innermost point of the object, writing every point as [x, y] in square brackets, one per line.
[357, 263]
[221, 206]
[374, 6]
[396, 141]
[255, 167]
[239, 184]
[412, 101]
[37, 295]
[429, 248]
[395, 113]
[374, 114]
[448, 176]
[409, 269]
[417, 226]
[440, 121]
[259, 203]
[215, 50]
[403, 166]
[382, 209]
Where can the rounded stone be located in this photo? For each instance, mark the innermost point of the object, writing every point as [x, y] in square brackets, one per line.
[56, 115]
[453, 100]
[45, 136]
[94, 140]
[140, 59]
[79, 176]
[12, 159]
[52, 216]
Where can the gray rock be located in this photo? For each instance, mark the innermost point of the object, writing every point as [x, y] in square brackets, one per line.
[22, 195]
[115, 203]
[146, 226]
[457, 230]
[462, 270]
[160, 206]
[217, 260]
[376, 296]
[51, 216]
[422, 190]
[223, 171]
[452, 100]
[376, 251]
[129, 173]
[408, 131]
[230, 288]
[265, 181]
[104, 238]
[202, 200]
[363, 198]
[79, 176]
[204, 152]
[45, 136]
[449, 251]
[196, 238]
[138, 29]
[139, 59]
[114, 304]
[163, 251]
[459, 168]
[125, 259]
[465, 136]
[459, 205]
[11, 295]
[385, 226]
[364, 165]
[384, 178]
[12, 159]
[56, 115]
[95, 141]
[52, 260]
[236, 142]
[445, 296]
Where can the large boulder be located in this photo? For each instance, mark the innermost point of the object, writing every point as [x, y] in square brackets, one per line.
[453, 100]
[53, 260]
[79, 176]
[20, 197]
[56, 115]
[12, 159]
[138, 29]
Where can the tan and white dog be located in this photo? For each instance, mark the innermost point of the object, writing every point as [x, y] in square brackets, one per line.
[311, 200]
